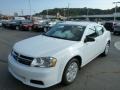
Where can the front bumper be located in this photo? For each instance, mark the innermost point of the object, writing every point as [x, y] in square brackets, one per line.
[42, 77]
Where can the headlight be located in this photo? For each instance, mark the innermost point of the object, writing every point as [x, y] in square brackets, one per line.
[44, 62]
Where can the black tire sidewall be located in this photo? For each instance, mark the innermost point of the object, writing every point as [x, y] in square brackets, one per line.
[104, 53]
[64, 78]
[17, 27]
[30, 28]
[114, 33]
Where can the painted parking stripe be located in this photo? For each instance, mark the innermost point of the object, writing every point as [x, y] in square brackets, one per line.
[117, 45]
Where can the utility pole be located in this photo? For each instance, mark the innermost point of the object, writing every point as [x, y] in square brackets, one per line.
[47, 13]
[30, 9]
[87, 14]
[0, 12]
[22, 13]
[64, 13]
[115, 10]
[68, 11]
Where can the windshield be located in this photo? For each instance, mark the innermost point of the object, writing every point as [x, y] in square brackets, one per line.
[67, 32]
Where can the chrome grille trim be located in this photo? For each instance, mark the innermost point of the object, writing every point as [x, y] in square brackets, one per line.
[22, 59]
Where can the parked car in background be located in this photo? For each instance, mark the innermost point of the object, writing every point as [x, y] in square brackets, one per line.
[26, 25]
[52, 23]
[5, 23]
[109, 25]
[116, 29]
[15, 24]
[40, 24]
[56, 56]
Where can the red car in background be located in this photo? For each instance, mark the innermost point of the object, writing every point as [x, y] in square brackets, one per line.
[27, 25]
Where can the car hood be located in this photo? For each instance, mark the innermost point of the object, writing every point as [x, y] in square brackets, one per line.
[41, 46]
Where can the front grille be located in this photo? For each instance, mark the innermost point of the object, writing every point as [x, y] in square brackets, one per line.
[22, 59]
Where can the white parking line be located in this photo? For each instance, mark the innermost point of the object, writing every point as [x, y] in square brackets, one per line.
[117, 45]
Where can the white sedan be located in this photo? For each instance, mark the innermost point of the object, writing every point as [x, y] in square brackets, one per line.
[56, 56]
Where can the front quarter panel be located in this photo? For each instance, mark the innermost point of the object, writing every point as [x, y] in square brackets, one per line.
[66, 55]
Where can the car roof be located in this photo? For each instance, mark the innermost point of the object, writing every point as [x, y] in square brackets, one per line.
[83, 23]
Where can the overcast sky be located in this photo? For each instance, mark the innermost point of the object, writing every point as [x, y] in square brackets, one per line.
[11, 6]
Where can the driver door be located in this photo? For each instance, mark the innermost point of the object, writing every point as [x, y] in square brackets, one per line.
[90, 49]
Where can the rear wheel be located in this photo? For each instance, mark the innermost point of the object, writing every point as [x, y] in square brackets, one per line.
[114, 33]
[105, 53]
[70, 72]
[17, 28]
[30, 28]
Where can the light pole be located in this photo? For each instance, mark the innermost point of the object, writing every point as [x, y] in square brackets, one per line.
[64, 12]
[68, 11]
[115, 10]
[47, 12]
[30, 9]
[87, 14]
[0, 12]
[22, 13]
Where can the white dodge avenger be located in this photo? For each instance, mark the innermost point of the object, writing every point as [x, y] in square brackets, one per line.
[57, 55]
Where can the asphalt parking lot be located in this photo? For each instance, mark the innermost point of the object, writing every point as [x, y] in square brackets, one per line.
[103, 73]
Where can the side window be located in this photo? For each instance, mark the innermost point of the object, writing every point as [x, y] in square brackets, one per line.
[99, 30]
[92, 32]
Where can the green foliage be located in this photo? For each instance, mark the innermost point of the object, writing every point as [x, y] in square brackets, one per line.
[77, 11]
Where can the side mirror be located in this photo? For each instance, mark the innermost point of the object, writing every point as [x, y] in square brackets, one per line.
[89, 39]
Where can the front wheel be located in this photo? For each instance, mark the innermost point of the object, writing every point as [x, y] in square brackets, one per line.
[70, 72]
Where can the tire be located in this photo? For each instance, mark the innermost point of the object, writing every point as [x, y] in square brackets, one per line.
[106, 51]
[70, 76]
[114, 33]
[17, 28]
[30, 28]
